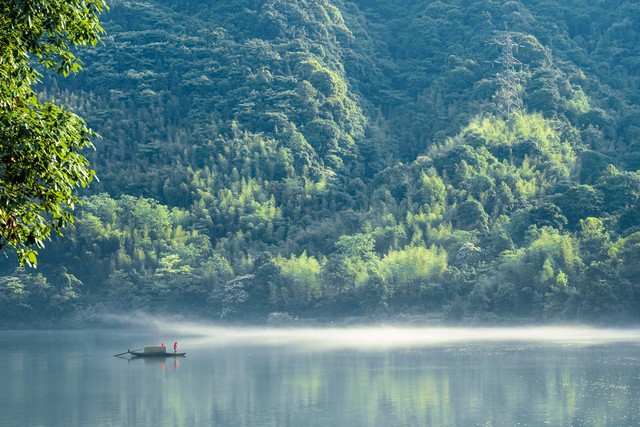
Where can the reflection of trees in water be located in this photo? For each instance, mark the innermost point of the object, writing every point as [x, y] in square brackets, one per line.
[456, 386]
[235, 384]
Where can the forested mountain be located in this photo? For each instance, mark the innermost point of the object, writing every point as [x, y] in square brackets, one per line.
[325, 158]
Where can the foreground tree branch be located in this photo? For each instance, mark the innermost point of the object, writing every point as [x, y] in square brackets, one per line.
[41, 164]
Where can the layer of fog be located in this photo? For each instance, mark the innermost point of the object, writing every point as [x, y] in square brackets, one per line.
[382, 336]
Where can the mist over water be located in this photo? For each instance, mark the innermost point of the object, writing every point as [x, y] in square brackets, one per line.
[384, 336]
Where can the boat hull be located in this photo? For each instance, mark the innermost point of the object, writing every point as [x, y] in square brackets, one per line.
[141, 354]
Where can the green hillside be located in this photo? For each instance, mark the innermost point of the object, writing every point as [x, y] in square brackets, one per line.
[280, 159]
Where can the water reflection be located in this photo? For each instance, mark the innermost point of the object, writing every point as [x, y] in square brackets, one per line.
[291, 383]
[458, 386]
[168, 363]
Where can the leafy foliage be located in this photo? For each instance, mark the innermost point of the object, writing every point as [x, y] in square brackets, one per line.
[40, 142]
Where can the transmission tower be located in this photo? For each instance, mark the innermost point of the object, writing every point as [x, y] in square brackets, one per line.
[508, 96]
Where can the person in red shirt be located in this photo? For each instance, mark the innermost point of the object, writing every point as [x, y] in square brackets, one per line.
[175, 347]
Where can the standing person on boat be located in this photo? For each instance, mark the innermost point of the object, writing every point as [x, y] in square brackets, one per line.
[175, 347]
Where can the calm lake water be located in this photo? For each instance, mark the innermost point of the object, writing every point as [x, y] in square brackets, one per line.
[367, 377]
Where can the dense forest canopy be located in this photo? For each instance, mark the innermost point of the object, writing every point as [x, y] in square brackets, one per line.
[285, 160]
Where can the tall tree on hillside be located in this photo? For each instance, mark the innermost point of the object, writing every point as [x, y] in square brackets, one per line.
[40, 142]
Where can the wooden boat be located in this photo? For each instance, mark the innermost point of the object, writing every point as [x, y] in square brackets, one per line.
[155, 351]
[169, 354]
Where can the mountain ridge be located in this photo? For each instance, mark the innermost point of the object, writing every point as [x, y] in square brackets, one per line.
[348, 157]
